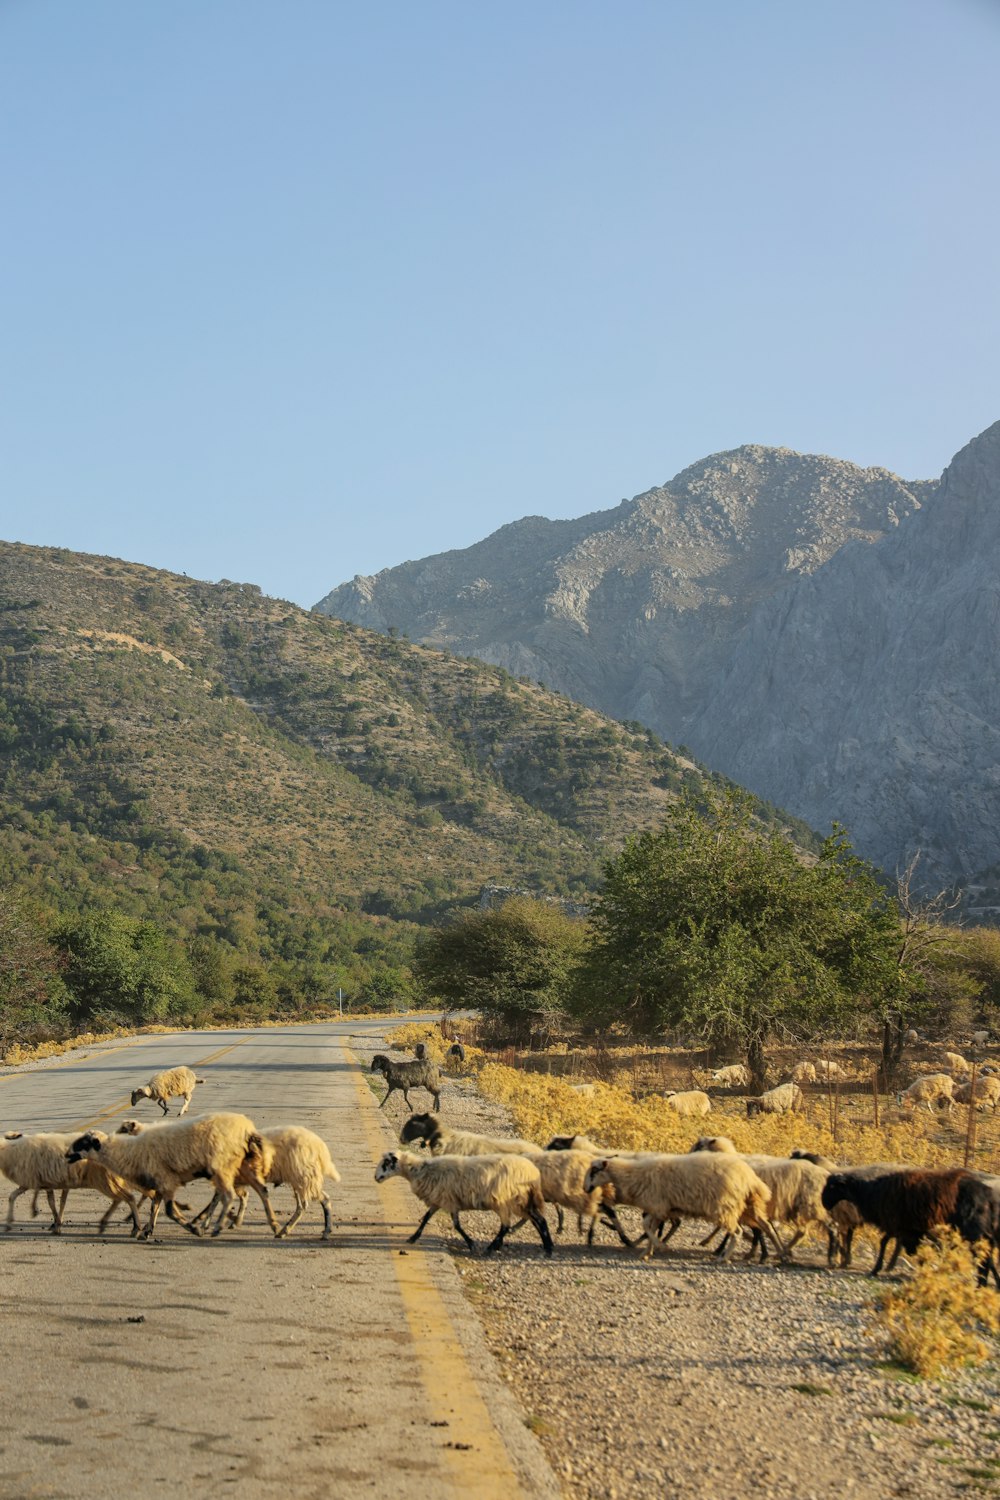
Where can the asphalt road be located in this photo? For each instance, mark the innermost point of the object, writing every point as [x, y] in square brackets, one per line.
[298, 1367]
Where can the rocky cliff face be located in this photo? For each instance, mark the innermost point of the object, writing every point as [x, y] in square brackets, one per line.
[870, 691]
[637, 610]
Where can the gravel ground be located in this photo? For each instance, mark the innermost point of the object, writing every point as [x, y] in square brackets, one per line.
[695, 1378]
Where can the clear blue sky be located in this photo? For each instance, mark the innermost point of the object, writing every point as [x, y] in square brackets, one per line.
[297, 290]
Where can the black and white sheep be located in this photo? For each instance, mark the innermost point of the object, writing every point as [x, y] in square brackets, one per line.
[508, 1186]
[411, 1074]
[172, 1083]
[163, 1158]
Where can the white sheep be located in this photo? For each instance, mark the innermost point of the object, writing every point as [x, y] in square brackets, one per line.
[162, 1159]
[508, 1186]
[720, 1189]
[783, 1100]
[691, 1104]
[987, 1092]
[37, 1163]
[299, 1159]
[980, 1038]
[172, 1083]
[829, 1071]
[585, 1090]
[796, 1187]
[804, 1072]
[930, 1089]
[957, 1065]
[735, 1076]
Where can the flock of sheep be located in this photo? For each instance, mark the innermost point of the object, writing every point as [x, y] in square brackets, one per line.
[154, 1161]
[754, 1196]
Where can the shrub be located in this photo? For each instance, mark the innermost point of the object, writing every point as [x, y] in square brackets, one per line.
[936, 1319]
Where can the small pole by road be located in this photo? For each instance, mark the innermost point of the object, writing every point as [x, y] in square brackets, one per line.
[340, 1002]
[875, 1093]
[970, 1132]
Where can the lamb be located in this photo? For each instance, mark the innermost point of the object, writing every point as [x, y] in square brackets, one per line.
[408, 1075]
[562, 1184]
[163, 1159]
[691, 1104]
[508, 1186]
[905, 1205]
[957, 1065]
[37, 1163]
[785, 1099]
[987, 1091]
[736, 1076]
[169, 1084]
[720, 1189]
[804, 1072]
[796, 1188]
[933, 1089]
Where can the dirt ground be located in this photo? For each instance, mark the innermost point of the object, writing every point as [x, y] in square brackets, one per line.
[691, 1377]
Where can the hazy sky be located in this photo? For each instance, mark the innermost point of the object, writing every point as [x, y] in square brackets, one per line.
[296, 290]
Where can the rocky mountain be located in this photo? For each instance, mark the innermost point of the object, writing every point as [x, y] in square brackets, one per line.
[870, 691]
[637, 610]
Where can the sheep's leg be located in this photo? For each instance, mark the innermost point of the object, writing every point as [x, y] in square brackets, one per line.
[164, 1106]
[756, 1243]
[613, 1222]
[784, 1251]
[590, 1232]
[327, 1216]
[260, 1188]
[665, 1239]
[184, 1107]
[893, 1259]
[471, 1243]
[390, 1089]
[204, 1213]
[236, 1219]
[428, 1216]
[498, 1239]
[847, 1246]
[154, 1213]
[881, 1256]
[10, 1206]
[723, 1245]
[34, 1202]
[437, 1104]
[543, 1229]
[560, 1218]
[178, 1218]
[651, 1228]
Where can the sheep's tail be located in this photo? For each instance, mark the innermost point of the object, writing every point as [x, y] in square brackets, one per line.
[201, 1080]
[759, 1202]
[536, 1200]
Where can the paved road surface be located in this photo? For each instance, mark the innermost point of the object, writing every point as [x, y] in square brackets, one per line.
[298, 1368]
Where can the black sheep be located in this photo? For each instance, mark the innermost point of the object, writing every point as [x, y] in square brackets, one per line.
[905, 1205]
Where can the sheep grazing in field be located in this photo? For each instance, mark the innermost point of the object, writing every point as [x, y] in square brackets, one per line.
[904, 1205]
[804, 1072]
[735, 1076]
[829, 1072]
[404, 1076]
[796, 1188]
[980, 1038]
[172, 1083]
[785, 1099]
[691, 1104]
[936, 1090]
[987, 1092]
[163, 1159]
[957, 1065]
[720, 1189]
[294, 1157]
[37, 1163]
[508, 1186]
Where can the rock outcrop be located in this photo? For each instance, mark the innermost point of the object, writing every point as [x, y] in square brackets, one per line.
[637, 610]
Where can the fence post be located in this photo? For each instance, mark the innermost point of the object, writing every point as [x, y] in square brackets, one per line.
[836, 1109]
[875, 1093]
[970, 1131]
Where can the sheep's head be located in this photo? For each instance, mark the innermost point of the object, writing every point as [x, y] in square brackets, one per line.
[754, 1107]
[835, 1190]
[85, 1147]
[597, 1175]
[387, 1167]
[561, 1143]
[417, 1128]
[130, 1127]
[380, 1063]
[713, 1143]
[138, 1094]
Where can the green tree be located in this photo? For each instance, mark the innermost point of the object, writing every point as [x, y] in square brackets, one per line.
[120, 970]
[714, 924]
[511, 962]
[31, 984]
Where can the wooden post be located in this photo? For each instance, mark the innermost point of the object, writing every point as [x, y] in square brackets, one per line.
[970, 1132]
[836, 1108]
[875, 1093]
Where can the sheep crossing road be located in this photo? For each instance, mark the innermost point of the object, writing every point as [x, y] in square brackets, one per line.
[295, 1366]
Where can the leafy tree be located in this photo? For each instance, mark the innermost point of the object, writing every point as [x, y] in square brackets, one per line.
[511, 962]
[713, 924]
[31, 985]
[118, 969]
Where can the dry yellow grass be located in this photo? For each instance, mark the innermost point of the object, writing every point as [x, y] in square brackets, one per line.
[544, 1106]
[406, 1037]
[935, 1320]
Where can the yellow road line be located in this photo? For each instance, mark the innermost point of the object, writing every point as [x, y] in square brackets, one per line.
[484, 1468]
